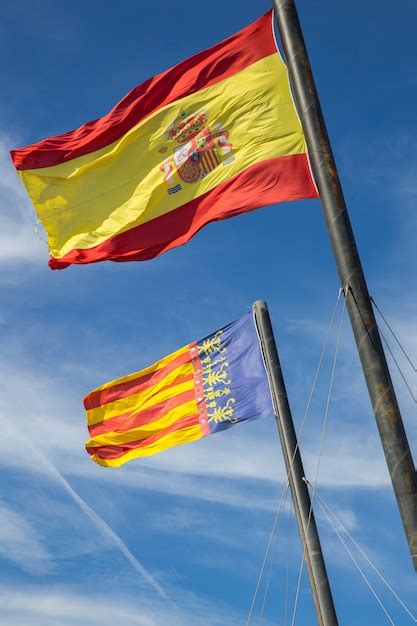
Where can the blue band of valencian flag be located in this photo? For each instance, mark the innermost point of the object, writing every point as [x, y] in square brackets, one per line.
[235, 384]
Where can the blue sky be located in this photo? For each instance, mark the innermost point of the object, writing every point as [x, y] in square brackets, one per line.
[194, 521]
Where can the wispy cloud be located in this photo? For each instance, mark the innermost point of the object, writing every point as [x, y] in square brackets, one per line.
[21, 543]
[103, 527]
[67, 607]
[18, 241]
[38, 458]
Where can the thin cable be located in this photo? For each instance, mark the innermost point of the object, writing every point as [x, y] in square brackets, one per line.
[323, 352]
[393, 334]
[323, 432]
[374, 593]
[288, 567]
[398, 366]
[313, 387]
[271, 563]
[277, 520]
[366, 557]
[329, 396]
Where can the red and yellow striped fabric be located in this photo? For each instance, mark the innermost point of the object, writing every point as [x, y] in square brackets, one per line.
[215, 136]
[206, 387]
[145, 412]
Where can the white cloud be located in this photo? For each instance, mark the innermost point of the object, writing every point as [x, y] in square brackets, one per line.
[18, 240]
[101, 525]
[347, 517]
[65, 607]
[21, 543]
[32, 456]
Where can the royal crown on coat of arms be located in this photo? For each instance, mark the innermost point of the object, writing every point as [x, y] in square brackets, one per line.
[198, 150]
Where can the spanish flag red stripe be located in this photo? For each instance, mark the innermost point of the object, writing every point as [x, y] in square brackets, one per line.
[115, 452]
[133, 419]
[141, 383]
[198, 72]
[274, 180]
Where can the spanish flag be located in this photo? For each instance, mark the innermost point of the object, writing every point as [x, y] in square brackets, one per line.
[205, 387]
[215, 136]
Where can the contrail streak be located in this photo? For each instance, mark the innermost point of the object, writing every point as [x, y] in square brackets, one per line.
[96, 519]
[104, 527]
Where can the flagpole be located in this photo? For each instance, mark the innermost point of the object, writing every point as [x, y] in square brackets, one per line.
[322, 595]
[384, 402]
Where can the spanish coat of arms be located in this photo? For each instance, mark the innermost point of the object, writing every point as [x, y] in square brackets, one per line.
[198, 150]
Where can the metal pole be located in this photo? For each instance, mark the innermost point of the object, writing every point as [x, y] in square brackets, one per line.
[384, 402]
[322, 595]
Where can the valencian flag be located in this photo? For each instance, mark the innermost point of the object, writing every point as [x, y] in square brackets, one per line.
[205, 387]
[214, 136]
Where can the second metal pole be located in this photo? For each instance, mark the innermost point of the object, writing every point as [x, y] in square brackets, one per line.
[322, 595]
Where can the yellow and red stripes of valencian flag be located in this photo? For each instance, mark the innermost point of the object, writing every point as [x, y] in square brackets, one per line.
[214, 136]
[146, 412]
[206, 387]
